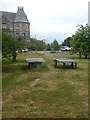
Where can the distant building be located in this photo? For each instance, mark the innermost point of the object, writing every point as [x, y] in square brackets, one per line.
[89, 13]
[17, 24]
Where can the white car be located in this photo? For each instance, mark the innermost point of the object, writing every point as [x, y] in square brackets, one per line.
[25, 50]
[65, 48]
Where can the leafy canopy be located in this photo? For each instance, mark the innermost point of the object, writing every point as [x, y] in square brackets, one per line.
[10, 45]
[81, 41]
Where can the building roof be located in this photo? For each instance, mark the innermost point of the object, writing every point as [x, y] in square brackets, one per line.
[21, 16]
[9, 16]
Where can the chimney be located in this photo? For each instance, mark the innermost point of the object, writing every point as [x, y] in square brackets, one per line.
[20, 8]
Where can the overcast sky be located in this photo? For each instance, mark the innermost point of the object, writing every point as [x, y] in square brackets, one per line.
[51, 19]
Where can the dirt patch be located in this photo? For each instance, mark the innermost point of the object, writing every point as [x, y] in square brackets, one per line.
[34, 83]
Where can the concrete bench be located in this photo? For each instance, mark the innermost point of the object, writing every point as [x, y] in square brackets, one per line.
[73, 62]
[34, 62]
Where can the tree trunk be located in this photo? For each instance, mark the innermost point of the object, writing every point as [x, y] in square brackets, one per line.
[85, 56]
[80, 55]
[14, 56]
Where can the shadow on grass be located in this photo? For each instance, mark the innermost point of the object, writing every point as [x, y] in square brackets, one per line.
[77, 57]
[12, 67]
[68, 67]
[42, 68]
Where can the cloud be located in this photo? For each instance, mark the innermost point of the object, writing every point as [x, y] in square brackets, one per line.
[50, 16]
[47, 28]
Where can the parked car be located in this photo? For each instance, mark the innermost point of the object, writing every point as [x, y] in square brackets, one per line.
[52, 51]
[25, 50]
[65, 48]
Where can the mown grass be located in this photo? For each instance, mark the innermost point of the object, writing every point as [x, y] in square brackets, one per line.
[46, 92]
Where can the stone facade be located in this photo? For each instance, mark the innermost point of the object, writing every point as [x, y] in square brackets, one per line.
[17, 24]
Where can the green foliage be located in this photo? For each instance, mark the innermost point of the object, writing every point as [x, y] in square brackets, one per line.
[37, 45]
[55, 45]
[81, 41]
[48, 47]
[67, 42]
[9, 46]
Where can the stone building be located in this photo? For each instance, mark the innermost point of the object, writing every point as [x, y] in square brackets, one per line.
[17, 24]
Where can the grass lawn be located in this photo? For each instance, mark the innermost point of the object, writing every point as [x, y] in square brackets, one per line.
[46, 92]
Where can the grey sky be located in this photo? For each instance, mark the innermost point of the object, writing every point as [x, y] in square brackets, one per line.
[51, 18]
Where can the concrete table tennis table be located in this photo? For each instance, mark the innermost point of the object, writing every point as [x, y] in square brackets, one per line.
[73, 62]
[34, 62]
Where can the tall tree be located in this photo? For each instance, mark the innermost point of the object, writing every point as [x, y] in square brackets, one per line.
[48, 47]
[55, 45]
[81, 41]
[9, 46]
[37, 44]
[67, 41]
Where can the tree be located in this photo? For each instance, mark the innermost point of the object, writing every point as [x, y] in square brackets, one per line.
[41, 45]
[48, 47]
[81, 41]
[55, 45]
[38, 45]
[67, 41]
[9, 46]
